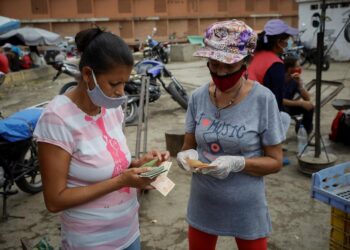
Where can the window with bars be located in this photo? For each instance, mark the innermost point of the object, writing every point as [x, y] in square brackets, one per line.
[84, 6]
[39, 6]
[159, 6]
[249, 5]
[124, 6]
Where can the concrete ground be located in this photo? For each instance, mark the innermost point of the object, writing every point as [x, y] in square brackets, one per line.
[299, 222]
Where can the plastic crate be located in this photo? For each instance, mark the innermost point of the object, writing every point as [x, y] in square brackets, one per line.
[340, 220]
[339, 239]
[332, 186]
[336, 246]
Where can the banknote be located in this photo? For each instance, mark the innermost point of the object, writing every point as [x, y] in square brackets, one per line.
[163, 184]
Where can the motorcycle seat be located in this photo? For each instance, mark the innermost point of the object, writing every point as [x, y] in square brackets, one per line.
[20, 125]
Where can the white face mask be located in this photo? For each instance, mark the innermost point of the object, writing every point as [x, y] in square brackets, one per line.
[101, 100]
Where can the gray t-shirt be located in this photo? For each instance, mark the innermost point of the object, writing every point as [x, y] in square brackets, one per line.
[235, 206]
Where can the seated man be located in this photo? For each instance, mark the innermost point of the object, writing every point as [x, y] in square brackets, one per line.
[294, 85]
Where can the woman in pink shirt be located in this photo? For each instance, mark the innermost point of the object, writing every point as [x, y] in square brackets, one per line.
[85, 163]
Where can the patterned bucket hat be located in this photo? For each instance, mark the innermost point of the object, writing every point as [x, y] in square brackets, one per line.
[228, 42]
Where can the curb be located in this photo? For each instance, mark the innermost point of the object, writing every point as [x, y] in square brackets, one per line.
[14, 78]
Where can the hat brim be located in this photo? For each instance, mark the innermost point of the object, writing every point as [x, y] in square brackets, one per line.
[224, 57]
[292, 31]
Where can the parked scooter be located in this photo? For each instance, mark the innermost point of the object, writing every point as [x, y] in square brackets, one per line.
[156, 50]
[18, 154]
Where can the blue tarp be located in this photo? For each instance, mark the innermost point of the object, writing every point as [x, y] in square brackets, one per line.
[7, 24]
[20, 125]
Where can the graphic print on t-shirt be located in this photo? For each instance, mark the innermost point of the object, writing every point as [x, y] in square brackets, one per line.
[220, 137]
[112, 146]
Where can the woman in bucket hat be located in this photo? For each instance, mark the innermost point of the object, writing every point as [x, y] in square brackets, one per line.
[267, 67]
[233, 128]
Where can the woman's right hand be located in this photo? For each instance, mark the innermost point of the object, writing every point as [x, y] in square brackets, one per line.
[131, 178]
[183, 156]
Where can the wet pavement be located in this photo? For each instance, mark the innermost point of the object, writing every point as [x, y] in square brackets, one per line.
[298, 221]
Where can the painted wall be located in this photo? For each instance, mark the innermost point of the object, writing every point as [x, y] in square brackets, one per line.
[336, 18]
[134, 19]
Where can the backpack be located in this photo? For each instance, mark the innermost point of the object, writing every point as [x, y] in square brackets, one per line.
[340, 130]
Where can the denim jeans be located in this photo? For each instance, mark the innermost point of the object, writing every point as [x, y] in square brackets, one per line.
[136, 245]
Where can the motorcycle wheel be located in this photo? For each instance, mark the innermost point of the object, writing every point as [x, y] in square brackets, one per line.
[131, 112]
[147, 54]
[164, 57]
[325, 65]
[180, 96]
[302, 59]
[31, 182]
[68, 87]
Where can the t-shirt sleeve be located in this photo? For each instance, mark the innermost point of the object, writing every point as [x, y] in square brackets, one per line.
[52, 129]
[271, 129]
[274, 80]
[190, 124]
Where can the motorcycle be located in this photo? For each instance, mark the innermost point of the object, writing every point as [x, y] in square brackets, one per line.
[155, 70]
[156, 50]
[73, 71]
[133, 90]
[310, 55]
[306, 53]
[69, 69]
[152, 68]
[18, 154]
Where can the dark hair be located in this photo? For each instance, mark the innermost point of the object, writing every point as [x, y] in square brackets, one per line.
[271, 41]
[289, 62]
[102, 50]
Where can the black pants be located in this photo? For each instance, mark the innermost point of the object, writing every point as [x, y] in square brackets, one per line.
[306, 120]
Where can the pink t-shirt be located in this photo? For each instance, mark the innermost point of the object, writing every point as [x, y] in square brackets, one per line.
[98, 152]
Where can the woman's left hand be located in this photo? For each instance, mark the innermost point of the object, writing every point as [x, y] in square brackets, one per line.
[223, 165]
[151, 155]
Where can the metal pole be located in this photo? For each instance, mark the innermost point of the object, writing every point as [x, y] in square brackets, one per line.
[140, 120]
[146, 115]
[320, 37]
[125, 108]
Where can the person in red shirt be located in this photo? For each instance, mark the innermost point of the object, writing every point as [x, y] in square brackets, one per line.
[4, 62]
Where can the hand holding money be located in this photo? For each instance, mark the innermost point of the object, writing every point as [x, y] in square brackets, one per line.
[158, 156]
[131, 178]
[184, 156]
